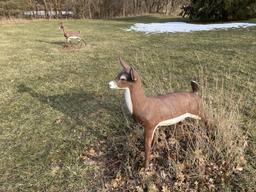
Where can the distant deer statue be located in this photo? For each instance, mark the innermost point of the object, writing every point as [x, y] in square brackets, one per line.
[70, 34]
[152, 112]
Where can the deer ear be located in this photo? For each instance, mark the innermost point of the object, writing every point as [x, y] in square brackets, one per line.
[133, 74]
[123, 63]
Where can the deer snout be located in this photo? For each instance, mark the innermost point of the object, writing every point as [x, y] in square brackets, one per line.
[112, 85]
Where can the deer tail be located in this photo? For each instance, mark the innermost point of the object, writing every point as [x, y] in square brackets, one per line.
[195, 86]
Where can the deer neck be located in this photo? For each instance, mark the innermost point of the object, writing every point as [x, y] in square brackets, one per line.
[135, 97]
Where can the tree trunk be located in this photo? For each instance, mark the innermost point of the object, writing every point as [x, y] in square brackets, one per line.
[46, 9]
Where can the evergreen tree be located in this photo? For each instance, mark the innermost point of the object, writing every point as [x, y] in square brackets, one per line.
[220, 10]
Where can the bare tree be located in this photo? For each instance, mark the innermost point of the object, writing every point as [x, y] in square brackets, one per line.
[93, 8]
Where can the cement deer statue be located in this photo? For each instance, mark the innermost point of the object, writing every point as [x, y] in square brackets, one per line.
[152, 112]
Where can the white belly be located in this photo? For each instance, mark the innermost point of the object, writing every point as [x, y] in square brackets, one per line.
[177, 119]
[73, 37]
[128, 100]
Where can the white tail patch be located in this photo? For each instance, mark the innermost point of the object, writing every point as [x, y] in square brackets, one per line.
[128, 100]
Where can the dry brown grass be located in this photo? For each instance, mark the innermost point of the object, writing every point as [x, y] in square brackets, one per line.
[185, 157]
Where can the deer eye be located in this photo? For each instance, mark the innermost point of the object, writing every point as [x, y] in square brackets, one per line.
[123, 78]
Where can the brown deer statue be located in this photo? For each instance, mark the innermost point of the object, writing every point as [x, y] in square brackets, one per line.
[155, 111]
[70, 34]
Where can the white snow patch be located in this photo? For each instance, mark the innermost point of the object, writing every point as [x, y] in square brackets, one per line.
[174, 27]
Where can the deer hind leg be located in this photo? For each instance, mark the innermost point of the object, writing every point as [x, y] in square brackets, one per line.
[204, 119]
[148, 137]
[203, 115]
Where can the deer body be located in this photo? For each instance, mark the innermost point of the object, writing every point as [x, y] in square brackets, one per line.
[152, 112]
[70, 34]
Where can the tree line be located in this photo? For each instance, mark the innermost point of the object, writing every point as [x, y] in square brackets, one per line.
[86, 8]
[196, 10]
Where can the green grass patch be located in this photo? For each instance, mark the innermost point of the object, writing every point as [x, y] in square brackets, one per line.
[55, 102]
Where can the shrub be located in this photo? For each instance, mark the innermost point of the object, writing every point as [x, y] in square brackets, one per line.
[219, 10]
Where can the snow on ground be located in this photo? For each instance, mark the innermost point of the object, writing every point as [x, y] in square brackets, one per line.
[174, 27]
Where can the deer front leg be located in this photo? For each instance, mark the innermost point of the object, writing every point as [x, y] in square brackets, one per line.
[148, 137]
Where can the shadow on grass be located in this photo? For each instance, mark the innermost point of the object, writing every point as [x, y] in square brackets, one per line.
[60, 43]
[87, 110]
[150, 19]
[77, 105]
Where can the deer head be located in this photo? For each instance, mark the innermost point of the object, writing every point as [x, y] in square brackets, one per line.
[126, 78]
[61, 26]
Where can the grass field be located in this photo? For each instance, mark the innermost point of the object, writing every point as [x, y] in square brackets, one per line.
[55, 102]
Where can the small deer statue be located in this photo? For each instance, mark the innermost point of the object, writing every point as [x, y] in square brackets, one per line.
[152, 112]
[69, 34]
